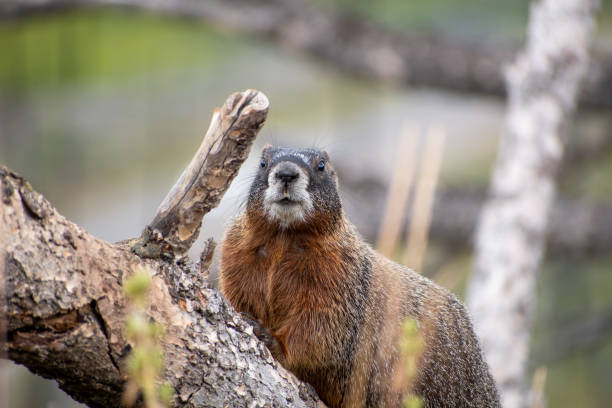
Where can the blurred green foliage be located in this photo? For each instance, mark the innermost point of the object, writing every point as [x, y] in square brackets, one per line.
[107, 45]
[410, 346]
[100, 46]
[596, 183]
[572, 291]
[467, 18]
[146, 360]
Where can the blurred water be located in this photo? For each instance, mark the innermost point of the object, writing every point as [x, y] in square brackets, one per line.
[125, 144]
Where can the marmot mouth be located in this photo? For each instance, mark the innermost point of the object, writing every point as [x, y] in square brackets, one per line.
[286, 201]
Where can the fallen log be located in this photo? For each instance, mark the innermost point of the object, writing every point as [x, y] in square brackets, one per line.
[577, 227]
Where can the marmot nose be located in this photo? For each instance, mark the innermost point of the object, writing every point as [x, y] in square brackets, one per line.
[287, 174]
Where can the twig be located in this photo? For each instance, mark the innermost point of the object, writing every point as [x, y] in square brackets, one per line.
[423, 199]
[537, 399]
[399, 191]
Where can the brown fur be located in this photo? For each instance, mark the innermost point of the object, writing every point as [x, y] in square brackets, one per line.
[335, 307]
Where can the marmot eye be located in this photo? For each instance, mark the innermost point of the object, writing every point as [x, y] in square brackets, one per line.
[321, 165]
[263, 163]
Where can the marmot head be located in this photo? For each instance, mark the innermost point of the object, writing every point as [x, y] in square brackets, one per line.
[295, 189]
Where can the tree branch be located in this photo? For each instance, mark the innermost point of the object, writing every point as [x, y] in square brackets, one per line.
[348, 42]
[577, 227]
[176, 224]
[66, 310]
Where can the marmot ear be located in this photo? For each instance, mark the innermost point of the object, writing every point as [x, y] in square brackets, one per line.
[267, 147]
[326, 154]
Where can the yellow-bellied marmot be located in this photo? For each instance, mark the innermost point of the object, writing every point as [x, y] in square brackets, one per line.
[333, 305]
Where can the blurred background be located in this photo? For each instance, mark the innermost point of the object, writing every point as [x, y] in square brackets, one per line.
[101, 109]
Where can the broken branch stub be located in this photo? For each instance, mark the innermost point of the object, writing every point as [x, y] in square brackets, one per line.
[203, 183]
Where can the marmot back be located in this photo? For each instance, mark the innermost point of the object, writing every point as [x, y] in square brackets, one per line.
[333, 305]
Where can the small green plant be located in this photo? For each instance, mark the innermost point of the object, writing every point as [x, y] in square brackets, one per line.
[411, 347]
[146, 361]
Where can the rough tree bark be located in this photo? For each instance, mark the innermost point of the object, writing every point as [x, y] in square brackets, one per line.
[543, 85]
[349, 42]
[65, 309]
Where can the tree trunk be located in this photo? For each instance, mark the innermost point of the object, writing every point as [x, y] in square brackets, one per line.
[543, 85]
[65, 308]
[348, 42]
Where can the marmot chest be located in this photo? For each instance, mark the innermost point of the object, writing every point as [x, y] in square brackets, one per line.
[295, 277]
